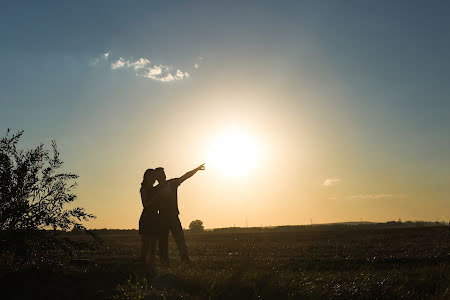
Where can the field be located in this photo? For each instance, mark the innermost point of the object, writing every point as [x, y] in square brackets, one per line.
[310, 262]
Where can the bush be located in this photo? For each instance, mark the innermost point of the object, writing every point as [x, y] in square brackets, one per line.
[34, 197]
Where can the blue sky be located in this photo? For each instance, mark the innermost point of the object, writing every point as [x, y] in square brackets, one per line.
[362, 84]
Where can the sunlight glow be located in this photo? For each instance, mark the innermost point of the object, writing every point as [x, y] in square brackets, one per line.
[234, 153]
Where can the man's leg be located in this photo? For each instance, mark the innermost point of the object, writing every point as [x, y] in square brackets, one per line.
[164, 247]
[178, 235]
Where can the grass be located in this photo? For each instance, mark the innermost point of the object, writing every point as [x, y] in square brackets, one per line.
[333, 262]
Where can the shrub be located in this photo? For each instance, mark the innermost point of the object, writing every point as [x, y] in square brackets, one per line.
[34, 196]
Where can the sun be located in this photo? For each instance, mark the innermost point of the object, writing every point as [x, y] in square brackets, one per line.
[234, 153]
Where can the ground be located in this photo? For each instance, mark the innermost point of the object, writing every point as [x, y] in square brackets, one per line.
[309, 262]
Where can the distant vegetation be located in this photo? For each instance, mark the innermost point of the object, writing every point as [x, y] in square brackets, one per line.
[196, 226]
[343, 225]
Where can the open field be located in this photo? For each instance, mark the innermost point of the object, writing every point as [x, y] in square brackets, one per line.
[334, 262]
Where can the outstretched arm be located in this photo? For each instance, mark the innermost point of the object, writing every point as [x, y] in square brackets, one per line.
[191, 173]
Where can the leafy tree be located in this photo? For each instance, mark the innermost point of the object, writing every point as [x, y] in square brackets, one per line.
[196, 226]
[33, 194]
[34, 197]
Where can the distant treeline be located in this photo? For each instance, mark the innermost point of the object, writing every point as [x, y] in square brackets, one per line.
[343, 225]
[347, 225]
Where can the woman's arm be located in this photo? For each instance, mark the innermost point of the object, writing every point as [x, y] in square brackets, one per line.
[191, 173]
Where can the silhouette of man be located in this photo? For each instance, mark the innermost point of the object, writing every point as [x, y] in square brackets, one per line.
[168, 194]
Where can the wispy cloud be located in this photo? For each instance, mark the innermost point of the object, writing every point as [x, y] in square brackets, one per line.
[96, 60]
[373, 196]
[368, 196]
[331, 181]
[198, 61]
[143, 67]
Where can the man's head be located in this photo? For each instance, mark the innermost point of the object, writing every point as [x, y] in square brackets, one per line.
[160, 175]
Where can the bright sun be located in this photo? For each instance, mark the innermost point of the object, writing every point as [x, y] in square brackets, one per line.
[234, 153]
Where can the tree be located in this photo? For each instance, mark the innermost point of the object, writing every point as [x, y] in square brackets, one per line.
[196, 226]
[33, 194]
[34, 197]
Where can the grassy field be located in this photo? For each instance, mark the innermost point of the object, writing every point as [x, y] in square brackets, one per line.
[311, 262]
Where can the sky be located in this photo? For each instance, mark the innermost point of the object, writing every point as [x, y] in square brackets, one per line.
[302, 111]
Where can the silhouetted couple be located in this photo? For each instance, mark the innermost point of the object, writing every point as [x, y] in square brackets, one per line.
[160, 215]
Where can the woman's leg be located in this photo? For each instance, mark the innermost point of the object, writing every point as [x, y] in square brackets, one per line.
[144, 246]
[150, 255]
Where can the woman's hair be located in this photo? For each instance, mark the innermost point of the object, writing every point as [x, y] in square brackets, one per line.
[149, 177]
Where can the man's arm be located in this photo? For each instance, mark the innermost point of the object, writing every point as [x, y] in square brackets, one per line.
[145, 197]
[191, 173]
[150, 197]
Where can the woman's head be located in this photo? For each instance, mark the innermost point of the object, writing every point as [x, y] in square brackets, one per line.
[149, 177]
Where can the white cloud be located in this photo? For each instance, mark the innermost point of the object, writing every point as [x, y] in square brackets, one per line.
[120, 63]
[196, 66]
[154, 71]
[169, 77]
[331, 181]
[180, 74]
[140, 63]
[142, 67]
[135, 65]
[163, 73]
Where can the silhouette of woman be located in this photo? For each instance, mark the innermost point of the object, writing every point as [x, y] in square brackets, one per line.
[150, 225]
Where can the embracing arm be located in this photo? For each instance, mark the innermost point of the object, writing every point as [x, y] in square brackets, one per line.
[148, 197]
[191, 173]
